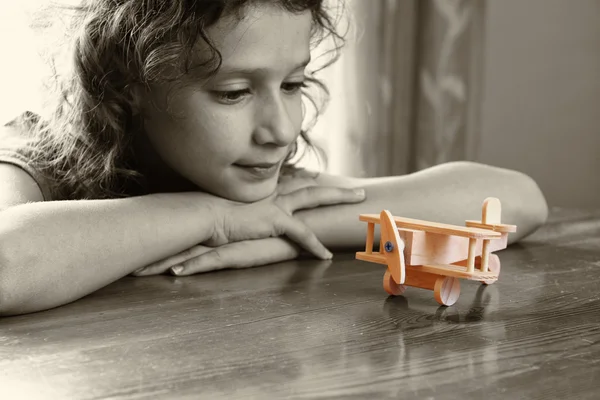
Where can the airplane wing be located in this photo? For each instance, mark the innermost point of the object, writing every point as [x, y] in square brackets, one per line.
[436, 227]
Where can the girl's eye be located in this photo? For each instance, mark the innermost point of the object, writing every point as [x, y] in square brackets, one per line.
[231, 96]
[293, 87]
[235, 96]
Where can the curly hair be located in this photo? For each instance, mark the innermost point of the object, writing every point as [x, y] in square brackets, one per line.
[84, 145]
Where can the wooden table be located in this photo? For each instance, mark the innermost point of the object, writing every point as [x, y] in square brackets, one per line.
[310, 329]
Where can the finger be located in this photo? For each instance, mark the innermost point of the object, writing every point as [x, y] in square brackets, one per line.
[295, 185]
[162, 266]
[246, 254]
[315, 196]
[302, 235]
[288, 186]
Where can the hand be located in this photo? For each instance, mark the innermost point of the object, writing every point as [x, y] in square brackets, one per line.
[273, 217]
[246, 254]
[250, 243]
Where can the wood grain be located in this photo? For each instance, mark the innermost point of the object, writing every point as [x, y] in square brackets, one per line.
[426, 247]
[394, 256]
[317, 329]
[495, 227]
[435, 227]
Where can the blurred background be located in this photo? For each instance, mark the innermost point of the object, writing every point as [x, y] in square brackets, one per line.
[511, 83]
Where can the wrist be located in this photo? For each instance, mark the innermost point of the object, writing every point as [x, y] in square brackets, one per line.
[199, 209]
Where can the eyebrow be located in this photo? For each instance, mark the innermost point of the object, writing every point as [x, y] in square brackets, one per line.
[250, 71]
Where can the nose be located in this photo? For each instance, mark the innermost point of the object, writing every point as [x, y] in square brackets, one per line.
[276, 122]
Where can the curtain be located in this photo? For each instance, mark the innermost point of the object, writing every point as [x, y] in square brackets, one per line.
[406, 92]
[449, 81]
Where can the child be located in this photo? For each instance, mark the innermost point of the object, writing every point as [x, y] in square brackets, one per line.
[169, 151]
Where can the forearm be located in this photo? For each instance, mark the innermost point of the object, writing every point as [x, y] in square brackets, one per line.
[56, 252]
[450, 193]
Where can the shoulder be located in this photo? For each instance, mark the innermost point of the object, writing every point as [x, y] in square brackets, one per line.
[20, 180]
[18, 186]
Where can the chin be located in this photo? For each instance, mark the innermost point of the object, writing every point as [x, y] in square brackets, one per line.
[245, 193]
[253, 195]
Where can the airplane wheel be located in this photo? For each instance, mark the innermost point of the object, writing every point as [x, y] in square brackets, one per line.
[390, 286]
[446, 290]
[494, 267]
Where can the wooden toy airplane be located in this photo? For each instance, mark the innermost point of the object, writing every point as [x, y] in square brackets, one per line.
[435, 256]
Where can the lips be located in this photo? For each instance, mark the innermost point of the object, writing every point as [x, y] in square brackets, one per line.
[258, 165]
[259, 171]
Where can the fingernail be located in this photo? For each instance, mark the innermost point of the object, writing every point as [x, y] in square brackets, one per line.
[176, 270]
[360, 192]
[137, 271]
[328, 255]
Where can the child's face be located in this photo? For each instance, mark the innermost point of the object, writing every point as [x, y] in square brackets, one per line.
[249, 114]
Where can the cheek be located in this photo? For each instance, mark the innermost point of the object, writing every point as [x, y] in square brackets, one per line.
[194, 130]
[220, 134]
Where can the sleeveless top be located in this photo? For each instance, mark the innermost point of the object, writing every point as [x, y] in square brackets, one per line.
[15, 150]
